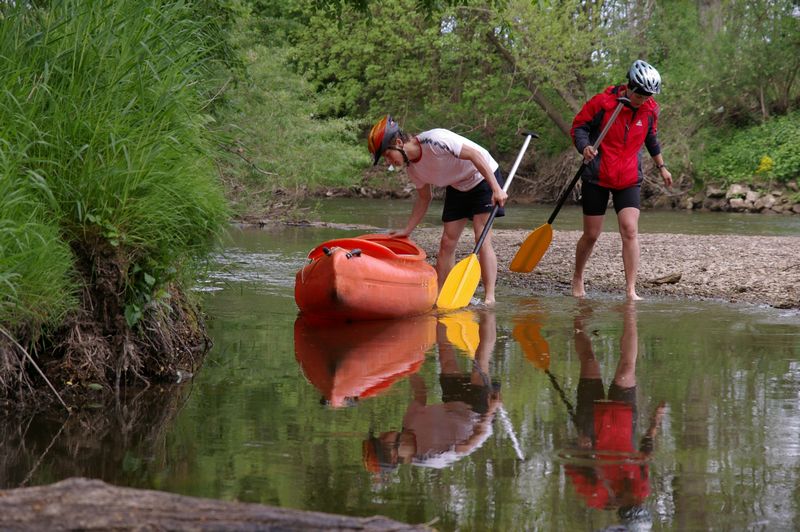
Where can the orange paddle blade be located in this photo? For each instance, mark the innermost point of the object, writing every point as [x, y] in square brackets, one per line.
[460, 284]
[532, 250]
[533, 344]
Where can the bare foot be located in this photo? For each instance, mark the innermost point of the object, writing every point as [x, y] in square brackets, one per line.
[632, 296]
[577, 288]
[488, 302]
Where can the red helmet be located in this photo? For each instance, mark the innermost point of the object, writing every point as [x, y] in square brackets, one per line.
[381, 136]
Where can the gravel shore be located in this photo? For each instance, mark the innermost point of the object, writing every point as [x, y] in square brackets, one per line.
[740, 269]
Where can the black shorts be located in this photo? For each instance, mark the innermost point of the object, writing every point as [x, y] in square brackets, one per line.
[477, 200]
[457, 387]
[595, 198]
[591, 390]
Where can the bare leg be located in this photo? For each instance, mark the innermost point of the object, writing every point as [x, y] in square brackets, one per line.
[446, 258]
[487, 258]
[590, 367]
[625, 376]
[488, 338]
[447, 355]
[628, 219]
[592, 227]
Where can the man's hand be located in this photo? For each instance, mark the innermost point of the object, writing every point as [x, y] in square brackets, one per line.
[400, 233]
[499, 197]
[589, 153]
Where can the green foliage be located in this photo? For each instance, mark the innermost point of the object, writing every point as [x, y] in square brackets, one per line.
[428, 71]
[102, 106]
[726, 64]
[766, 152]
[276, 141]
[484, 69]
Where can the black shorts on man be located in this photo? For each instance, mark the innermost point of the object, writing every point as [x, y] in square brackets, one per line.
[466, 204]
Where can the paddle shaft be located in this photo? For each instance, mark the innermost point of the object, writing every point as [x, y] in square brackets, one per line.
[578, 174]
[528, 136]
[506, 422]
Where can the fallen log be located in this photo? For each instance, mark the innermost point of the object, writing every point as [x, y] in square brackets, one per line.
[84, 504]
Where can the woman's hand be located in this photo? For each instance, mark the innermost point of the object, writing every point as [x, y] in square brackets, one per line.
[666, 176]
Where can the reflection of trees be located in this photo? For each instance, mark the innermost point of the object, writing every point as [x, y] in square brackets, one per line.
[116, 440]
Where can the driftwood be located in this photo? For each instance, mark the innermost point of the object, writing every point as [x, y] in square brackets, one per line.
[83, 504]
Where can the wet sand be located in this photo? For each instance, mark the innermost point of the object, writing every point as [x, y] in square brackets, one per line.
[762, 270]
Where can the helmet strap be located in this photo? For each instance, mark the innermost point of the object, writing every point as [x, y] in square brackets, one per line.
[402, 152]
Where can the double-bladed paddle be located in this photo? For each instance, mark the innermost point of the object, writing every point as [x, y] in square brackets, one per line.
[463, 279]
[535, 246]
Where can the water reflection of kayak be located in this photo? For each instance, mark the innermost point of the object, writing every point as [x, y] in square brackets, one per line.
[365, 278]
[346, 361]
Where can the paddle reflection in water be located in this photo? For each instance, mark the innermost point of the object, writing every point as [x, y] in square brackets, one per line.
[438, 434]
[347, 361]
[605, 466]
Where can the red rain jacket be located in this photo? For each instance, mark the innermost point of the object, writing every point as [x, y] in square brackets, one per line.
[618, 163]
[621, 473]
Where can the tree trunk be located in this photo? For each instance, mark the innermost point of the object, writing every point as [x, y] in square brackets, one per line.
[540, 99]
[711, 15]
[83, 504]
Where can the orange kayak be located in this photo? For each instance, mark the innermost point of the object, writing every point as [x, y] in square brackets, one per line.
[366, 278]
[350, 361]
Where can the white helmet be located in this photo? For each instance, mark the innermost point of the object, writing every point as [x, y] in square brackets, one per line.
[643, 78]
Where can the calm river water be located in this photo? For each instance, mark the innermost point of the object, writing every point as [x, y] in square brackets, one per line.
[668, 414]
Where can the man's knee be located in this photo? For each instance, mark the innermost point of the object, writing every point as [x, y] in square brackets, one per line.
[448, 243]
[590, 237]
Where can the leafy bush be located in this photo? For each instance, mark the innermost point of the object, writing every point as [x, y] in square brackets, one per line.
[761, 153]
[276, 140]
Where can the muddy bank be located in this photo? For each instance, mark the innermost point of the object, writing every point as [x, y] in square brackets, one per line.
[761, 270]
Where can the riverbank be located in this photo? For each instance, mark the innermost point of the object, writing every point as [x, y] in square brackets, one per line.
[761, 270]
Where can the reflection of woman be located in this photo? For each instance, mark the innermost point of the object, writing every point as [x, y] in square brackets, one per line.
[436, 435]
[607, 426]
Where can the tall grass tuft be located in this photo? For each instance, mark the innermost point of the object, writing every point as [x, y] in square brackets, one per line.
[105, 137]
[36, 289]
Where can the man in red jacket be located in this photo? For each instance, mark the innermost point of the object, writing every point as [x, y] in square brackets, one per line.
[616, 168]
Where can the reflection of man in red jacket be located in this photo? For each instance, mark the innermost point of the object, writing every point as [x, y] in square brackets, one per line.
[616, 169]
[619, 475]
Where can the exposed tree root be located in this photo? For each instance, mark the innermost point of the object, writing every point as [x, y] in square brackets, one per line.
[95, 344]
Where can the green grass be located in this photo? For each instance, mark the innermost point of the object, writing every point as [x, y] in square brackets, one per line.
[104, 128]
[35, 285]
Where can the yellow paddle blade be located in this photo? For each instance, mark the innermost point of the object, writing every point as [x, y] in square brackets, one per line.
[533, 344]
[463, 331]
[532, 250]
[460, 284]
